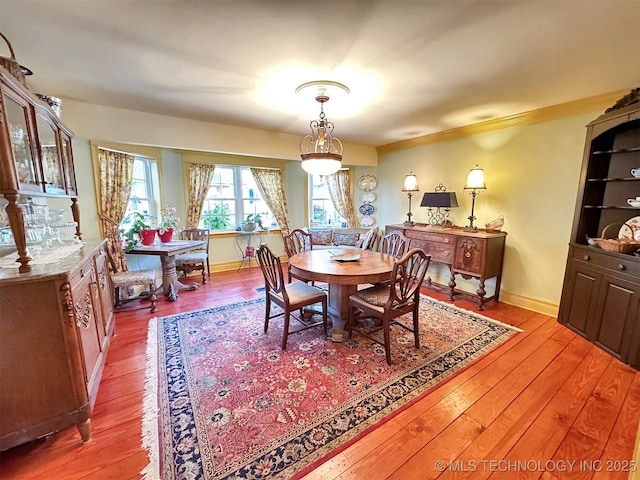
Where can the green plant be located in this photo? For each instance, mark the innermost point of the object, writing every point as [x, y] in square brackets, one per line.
[255, 218]
[218, 218]
[130, 238]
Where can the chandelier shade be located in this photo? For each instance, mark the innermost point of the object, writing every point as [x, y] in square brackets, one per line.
[320, 151]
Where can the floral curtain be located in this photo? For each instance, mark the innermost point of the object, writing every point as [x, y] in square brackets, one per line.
[116, 174]
[338, 184]
[200, 176]
[271, 186]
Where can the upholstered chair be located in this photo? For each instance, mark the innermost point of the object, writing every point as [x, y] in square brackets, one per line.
[123, 280]
[197, 259]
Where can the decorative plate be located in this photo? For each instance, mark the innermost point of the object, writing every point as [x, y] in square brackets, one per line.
[367, 197]
[367, 182]
[630, 229]
[366, 209]
[366, 221]
[346, 257]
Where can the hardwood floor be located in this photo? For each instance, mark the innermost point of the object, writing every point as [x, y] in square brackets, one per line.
[545, 398]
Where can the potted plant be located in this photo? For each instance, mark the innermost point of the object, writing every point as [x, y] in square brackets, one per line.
[169, 223]
[139, 232]
[252, 221]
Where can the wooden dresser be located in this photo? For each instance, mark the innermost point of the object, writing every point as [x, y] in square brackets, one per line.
[471, 255]
[56, 323]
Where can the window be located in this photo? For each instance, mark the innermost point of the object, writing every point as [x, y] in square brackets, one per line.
[322, 211]
[144, 192]
[232, 196]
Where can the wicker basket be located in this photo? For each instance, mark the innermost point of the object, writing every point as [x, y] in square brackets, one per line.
[12, 65]
[620, 245]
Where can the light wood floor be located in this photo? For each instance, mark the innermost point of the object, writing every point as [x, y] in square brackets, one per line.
[545, 395]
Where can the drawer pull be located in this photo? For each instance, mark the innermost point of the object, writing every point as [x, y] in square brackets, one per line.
[467, 254]
[446, 240]
[622, 267]
[586, 258]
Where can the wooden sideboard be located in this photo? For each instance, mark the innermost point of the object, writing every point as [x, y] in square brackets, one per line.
[56, 323]
[469, 254]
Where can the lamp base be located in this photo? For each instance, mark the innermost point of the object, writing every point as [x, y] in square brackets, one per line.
[471, 229]
[409, 224]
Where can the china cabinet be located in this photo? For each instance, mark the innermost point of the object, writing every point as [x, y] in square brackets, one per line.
[35, 158]
[601, 292]
[56, 323]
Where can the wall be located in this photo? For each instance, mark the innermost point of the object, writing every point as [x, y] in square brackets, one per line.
[532, 178]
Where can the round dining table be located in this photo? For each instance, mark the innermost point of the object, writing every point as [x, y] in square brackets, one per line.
[343, 277]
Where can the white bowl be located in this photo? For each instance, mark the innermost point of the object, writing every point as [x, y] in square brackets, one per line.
[634, 203]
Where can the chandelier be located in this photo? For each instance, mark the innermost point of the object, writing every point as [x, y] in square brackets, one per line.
[320, 151]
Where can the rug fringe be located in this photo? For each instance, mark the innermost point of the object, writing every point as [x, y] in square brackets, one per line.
[455, 307]
[150, 441]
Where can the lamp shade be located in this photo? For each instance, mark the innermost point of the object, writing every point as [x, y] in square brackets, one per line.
[439, 199]
[321, 164]
[410, 183]
[475, 179]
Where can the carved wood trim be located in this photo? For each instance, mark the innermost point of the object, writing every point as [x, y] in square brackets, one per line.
[67, 302]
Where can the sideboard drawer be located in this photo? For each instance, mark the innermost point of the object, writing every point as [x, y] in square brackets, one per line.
[429, 236]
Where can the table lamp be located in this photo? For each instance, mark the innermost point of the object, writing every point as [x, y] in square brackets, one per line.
[475, 183]
[439, 202]
[410, 186]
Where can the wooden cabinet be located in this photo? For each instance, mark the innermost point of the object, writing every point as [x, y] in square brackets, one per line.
[601, 292]
[35, 157]
[472, 255]
[56, 323]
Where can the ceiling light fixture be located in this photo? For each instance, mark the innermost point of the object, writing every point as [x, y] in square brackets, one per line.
[321, 152]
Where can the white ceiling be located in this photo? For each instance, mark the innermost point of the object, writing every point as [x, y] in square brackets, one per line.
[413, 67]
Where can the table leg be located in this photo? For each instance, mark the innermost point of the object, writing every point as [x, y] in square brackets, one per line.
[170, 283]
[339, 308]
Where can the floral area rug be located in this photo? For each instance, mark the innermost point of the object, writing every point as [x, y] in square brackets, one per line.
[223, 401]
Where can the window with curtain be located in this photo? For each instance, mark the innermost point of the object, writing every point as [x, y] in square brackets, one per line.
[232, 196]
[144, 192]
[322, 212]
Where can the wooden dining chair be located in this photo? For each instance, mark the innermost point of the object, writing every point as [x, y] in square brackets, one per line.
[390, 301]
[296, 242]
[131, 278]
[197, 259]
[289, 296]
[394, 244]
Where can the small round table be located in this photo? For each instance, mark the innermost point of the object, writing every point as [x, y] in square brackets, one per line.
[247, 251]
[343, 277]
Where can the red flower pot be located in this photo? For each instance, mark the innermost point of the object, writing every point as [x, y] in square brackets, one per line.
[147, 237]
[166, 236]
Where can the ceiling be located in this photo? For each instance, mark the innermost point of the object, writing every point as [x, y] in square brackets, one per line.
[413, 67]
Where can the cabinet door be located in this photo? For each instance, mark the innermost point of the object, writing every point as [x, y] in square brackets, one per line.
[469, 255]
[52, 173]
[616, 315]
[67, 164]
[105, 294]
[85, 318]
[578, 297]
[20, 133]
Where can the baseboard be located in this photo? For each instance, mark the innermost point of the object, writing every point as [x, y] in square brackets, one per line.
[530, 303]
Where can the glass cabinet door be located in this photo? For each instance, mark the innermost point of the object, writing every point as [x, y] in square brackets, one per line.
[49, 157]
[67, 163]
[19, 134]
